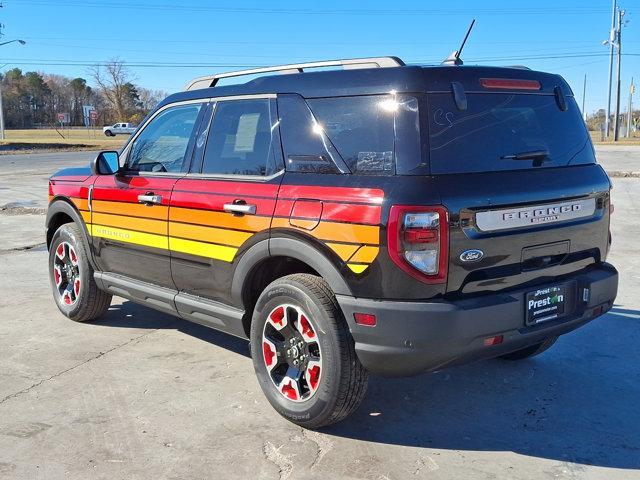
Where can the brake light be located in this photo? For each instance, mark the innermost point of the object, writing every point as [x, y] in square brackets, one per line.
[510, 83]
[418, 241]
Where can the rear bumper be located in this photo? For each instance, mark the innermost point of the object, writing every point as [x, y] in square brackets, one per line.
[413, 337]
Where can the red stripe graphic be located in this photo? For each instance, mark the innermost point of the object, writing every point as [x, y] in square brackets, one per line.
[335, 194]
[216, 202]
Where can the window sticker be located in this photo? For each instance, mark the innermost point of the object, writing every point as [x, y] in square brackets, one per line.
[246, 133]
[375, 161]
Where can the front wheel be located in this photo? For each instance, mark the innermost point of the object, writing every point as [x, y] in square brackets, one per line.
[303, 354]
[74, 288]
[109, 133]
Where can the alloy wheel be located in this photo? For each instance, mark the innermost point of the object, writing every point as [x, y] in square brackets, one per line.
[291, 352]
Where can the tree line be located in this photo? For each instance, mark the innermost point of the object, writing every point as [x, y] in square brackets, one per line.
[33, 99]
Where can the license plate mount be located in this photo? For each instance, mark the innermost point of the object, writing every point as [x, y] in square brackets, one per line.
[546, 304]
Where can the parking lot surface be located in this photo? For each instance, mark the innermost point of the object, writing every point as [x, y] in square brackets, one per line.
[141, 395]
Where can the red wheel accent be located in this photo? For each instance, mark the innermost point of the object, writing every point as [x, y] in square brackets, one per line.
[305, 328]
[66, 297]
[313, 376]
[57, 275]
[73, 256]
[268, 354]
[277, 316]
[289, 390]
[60, 251]
[76, 287]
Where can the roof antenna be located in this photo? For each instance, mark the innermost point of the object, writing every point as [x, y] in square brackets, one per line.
[454, 58]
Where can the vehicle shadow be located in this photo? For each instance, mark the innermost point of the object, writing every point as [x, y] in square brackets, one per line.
[577, 402]
[131, 315]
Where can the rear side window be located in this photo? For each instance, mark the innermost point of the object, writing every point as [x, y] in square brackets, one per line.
[240, 140]
[369, 133]
[498, 126]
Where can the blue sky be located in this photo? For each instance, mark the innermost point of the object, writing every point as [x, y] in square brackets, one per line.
[65, 36]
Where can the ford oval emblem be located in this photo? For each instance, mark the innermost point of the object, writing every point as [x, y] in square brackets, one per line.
[471, 255]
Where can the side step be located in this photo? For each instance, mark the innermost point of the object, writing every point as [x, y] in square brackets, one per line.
[189, 307]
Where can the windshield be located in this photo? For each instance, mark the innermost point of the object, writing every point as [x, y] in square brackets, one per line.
[503, 131]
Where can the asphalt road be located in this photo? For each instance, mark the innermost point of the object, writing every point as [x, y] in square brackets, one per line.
[141, 395]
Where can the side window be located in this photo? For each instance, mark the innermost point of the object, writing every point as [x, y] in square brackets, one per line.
[240, 139]
[162, 144]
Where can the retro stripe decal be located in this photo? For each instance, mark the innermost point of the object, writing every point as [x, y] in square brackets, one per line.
[347, 220]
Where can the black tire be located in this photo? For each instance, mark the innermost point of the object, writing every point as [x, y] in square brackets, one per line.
[343, 380]
[109, 133]
[90, 302]
[530, 351]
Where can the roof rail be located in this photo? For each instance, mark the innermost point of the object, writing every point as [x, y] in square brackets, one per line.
[352, 63]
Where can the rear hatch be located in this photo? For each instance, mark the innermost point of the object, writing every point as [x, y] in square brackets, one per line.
[516, 170]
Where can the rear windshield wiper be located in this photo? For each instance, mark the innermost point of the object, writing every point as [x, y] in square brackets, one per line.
[533, 155]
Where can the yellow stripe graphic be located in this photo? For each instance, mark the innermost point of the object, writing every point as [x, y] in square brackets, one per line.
[219, 252]
[129, 236]
[357, 268]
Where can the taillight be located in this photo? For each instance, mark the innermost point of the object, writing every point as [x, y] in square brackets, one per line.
[418, 241]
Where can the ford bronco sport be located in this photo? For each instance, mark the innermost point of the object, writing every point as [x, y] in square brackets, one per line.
[378, 218]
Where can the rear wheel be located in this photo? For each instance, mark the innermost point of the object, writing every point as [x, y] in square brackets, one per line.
[109, 133]
[74, 288]
[303, 353]
[530, 351]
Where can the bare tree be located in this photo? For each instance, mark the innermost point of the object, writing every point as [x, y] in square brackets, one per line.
[114, 80]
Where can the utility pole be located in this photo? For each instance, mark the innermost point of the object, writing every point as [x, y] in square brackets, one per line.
[21, 42]
[630, 107]
[584, 96]
[616, 125]
[610, 42]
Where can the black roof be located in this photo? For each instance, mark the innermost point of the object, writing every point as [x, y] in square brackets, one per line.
[369, 81]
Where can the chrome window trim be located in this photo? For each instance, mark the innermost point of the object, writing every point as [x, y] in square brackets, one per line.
[230, 176]
[127, 148]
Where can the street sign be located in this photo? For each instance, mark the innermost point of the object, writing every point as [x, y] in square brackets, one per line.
[64, 117]
[93, 115]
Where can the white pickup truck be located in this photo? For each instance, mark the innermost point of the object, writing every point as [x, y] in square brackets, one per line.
[118, 128]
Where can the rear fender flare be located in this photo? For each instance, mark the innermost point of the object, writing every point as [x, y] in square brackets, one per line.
[286, 247]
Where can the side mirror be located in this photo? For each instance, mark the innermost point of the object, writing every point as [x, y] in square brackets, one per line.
[106, 163]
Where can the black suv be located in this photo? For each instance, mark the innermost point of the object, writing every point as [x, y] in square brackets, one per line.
[380, 218]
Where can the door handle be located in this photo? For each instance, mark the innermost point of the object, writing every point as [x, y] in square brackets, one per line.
[240, 208]
[150, 199]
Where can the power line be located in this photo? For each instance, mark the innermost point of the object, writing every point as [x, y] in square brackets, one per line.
[175, 7]
[88, 63]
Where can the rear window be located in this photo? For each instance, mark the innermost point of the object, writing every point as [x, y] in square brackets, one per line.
[496, 126]
[371, 132]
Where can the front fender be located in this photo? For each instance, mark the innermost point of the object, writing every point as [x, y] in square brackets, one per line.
[63, 206]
